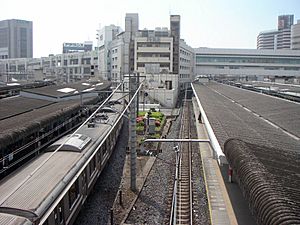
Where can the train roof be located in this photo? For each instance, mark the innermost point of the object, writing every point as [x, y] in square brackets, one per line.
[27, 189]
[35, 190]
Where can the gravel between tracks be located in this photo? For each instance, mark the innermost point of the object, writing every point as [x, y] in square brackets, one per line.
[153, 204]
[200, 202]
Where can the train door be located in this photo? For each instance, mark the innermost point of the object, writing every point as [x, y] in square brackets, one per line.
[59, 218]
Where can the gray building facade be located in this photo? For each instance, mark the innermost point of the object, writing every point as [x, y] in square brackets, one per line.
[295, 33]
[16, 39]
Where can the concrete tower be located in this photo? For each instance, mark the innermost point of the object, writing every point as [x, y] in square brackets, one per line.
[175, 33]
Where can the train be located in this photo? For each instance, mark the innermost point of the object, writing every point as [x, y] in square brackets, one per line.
[52, 188]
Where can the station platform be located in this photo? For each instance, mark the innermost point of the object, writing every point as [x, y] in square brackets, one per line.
[226, 202]
[220, 207]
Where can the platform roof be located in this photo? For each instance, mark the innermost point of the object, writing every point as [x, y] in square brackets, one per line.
[23, 124]
[65, 90]
[13, 106]
[223, 105]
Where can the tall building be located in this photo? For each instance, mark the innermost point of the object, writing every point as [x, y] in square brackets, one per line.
[285, 22]
[131, 27]
[267, 40]
[175, 33]
[146, 51]
[295, 36]
[16, 39]
[105, 37]
[107, 34]
[153, 51]
[186, 65]
[277, 39]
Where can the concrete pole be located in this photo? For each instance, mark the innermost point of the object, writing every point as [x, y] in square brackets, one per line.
[132, 133]
[137, 97]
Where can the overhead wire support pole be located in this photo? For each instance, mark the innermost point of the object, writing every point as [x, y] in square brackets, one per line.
[132, 133]
[134, 91]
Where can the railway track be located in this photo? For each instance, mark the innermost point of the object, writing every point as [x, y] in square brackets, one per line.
[156, 202]
[182, 200]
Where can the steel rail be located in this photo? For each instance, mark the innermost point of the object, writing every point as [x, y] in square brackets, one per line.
[190, 166]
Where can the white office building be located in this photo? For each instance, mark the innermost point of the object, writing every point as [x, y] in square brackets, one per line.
[247, 62]
[105, 36]
[16, 39]
[295, 36]
[153, 51]
[186, 65]
[277, 39]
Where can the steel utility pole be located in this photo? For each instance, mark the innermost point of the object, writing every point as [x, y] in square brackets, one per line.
[132, 133]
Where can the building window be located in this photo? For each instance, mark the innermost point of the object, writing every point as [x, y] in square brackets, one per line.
[23, 42]
[92, 165]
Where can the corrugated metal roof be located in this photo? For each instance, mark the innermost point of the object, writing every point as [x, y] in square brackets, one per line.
[17, 105]
[19, 125]
[285, 114]
[69, 89]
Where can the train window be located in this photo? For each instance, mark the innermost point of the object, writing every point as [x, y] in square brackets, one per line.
[112, 139]
[106, 145]
[61, 216]
[56, 218]
[73, 194]
[99, 154]
[92, 165]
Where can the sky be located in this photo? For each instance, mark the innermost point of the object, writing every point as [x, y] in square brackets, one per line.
[204, 23]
